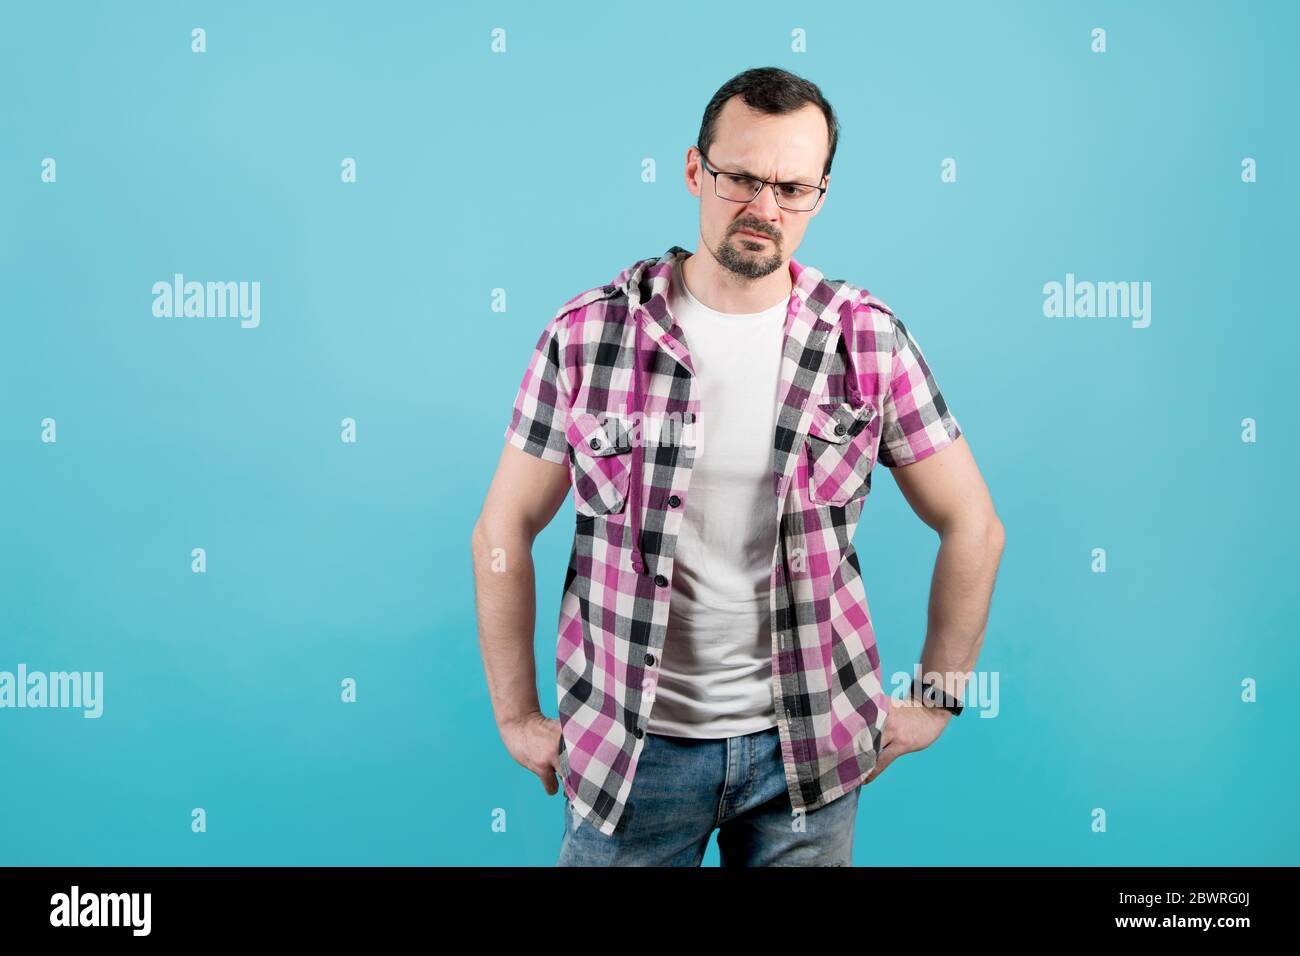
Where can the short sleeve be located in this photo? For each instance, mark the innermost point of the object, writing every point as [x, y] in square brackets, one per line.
[915, 419]
[537, 423]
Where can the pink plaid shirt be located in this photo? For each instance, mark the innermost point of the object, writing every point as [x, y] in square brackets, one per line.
[854, 389]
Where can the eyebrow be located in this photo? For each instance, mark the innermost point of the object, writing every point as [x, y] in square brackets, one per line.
[746, 172]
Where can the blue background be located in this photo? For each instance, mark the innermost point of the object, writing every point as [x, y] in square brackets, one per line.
[522, 171]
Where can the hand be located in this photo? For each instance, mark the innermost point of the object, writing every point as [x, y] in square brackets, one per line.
[909, 726]
[534, 743]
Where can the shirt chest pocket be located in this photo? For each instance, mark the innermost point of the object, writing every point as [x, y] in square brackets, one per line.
[842, 443]
[599, 466]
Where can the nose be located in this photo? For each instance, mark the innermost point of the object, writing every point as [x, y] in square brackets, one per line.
[763, 206]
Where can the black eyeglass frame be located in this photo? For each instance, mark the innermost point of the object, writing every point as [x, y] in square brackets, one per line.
[704, 161]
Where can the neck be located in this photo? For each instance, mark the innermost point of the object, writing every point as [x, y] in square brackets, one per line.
[724, 291]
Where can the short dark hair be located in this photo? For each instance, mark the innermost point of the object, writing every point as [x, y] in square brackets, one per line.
[769, 89]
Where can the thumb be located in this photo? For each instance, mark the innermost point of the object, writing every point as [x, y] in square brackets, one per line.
[550, 782]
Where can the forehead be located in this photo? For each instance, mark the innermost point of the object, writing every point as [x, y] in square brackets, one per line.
[786, 146]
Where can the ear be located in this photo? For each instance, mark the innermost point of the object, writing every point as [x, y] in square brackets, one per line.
[694, 172]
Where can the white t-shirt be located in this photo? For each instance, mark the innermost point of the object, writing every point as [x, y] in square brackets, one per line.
[716, 673]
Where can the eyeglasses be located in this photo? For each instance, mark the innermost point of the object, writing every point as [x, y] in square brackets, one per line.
[796, 197]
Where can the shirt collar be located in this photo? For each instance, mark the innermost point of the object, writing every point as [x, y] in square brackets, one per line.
[647, 283]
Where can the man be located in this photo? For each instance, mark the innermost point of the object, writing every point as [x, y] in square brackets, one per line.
[717, 415]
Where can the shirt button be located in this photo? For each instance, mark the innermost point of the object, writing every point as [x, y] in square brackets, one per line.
[595, 443]
[639, 733]
[661, 580]
[673, 501]
[650, 659]
[839, 429]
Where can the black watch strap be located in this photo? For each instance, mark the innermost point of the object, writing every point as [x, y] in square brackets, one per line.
[932, 695]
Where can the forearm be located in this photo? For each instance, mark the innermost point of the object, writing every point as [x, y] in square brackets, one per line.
[505, 594]
[961, 591]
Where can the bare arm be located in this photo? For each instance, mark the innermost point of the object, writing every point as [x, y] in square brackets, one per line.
[524, 496]
[948, 493]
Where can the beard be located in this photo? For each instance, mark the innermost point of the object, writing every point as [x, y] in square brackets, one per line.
[746, 257]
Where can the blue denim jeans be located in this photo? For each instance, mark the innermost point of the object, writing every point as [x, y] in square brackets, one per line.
[685, 788]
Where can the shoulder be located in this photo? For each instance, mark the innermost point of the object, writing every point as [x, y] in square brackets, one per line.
[575, 331]
[868, 306]
[890, 333]
[583, 317]
[873, 315]
[575, 309]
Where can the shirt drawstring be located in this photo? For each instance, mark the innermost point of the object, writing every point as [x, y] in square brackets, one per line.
[638, 558]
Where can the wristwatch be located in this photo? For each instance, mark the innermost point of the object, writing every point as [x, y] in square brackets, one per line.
[932, 695]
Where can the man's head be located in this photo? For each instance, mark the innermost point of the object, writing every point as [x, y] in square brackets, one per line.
[768, 124]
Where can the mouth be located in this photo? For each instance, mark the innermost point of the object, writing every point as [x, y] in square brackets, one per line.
[753, 235]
